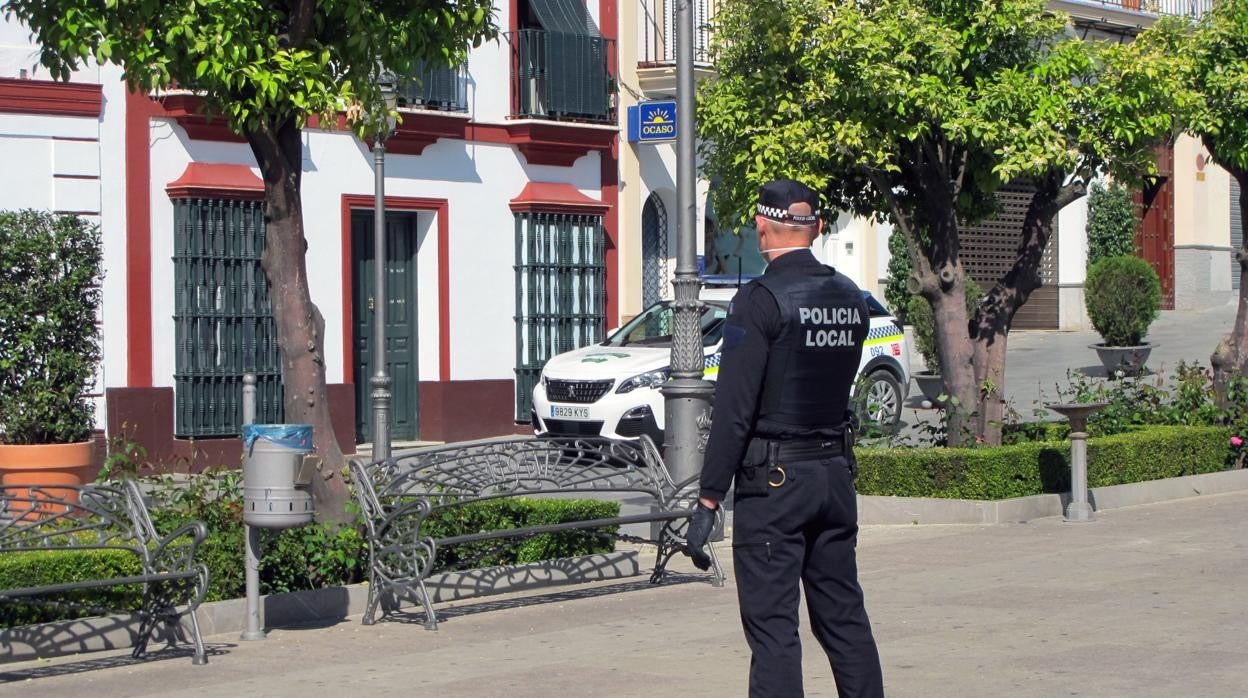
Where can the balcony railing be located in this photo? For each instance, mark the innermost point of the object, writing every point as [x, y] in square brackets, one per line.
[561, 76]
[1178, 8]
[436, 87]
[658, 32]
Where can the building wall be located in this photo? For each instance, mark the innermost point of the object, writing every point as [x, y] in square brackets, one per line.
[1202, 228]
[467, 377]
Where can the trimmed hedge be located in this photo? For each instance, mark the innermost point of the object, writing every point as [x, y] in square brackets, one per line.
[42, 567]
[1032, 468]
[521, 512]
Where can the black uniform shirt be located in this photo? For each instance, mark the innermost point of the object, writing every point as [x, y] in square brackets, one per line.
[753, 324]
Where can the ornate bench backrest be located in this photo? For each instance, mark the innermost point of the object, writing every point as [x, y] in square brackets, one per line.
[89, 516]
[481, 470]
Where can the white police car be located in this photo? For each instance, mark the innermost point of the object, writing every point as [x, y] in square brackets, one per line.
[612, 389]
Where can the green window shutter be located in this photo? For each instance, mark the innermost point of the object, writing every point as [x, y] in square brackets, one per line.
[223, 326]
[436, 87]
[560, 292]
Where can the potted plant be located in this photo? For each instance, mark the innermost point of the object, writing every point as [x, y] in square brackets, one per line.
[50, 273]
[1123, 297]
[919, 316]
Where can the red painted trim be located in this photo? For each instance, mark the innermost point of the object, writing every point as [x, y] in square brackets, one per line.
[444, 291]
[610, 174]
[556, 198]
[421, 129]
[49, 98]
[399, 203]
[541, 142]
[188, 111]
[210, 180]
[554, 143]
[138, 241]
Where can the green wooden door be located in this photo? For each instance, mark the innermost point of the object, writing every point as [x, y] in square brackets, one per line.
[401, 354]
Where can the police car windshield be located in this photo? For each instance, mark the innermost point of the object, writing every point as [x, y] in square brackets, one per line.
[653, 328]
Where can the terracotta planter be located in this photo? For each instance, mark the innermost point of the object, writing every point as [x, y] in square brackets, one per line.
[47, 466]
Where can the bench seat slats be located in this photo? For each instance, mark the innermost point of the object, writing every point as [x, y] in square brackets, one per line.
[53, 589]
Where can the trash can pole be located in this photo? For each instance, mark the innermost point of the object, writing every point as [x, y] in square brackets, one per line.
[254, 629]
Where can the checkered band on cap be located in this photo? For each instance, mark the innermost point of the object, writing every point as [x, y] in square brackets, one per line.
[782, 215]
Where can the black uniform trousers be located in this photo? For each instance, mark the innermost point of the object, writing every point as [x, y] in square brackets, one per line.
[806, 529]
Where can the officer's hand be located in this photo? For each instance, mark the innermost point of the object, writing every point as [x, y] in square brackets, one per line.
[700, 526]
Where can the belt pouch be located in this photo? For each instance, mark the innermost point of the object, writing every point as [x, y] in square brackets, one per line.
[751, 477]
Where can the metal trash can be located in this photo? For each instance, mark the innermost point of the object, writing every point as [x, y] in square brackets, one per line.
[272, 494]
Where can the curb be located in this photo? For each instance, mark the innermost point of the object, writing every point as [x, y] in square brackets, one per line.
[882, 510]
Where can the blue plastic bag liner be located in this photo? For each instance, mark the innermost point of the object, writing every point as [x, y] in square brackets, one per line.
[297, 437]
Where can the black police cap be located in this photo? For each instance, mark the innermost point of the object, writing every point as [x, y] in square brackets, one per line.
[777, 196]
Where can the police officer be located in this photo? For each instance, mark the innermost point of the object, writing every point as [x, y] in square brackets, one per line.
[791, 348]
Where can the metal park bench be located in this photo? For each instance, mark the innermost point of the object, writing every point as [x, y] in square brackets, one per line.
[397, 496]
[97, 517]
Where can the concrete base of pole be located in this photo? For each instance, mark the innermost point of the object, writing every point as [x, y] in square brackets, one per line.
[1080, 512]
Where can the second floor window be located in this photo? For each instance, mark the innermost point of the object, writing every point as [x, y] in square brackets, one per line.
[560, 63]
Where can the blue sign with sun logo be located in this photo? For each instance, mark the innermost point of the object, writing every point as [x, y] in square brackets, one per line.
[652, 122]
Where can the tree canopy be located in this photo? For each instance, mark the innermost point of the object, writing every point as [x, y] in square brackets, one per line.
[258, 61]
[266, 67]
[918, 111]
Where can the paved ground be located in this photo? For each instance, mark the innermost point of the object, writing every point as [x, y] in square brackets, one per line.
[1037, 361]
[1146, 601]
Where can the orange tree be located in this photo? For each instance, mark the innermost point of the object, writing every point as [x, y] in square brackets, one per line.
[918, 111]
[266, 66]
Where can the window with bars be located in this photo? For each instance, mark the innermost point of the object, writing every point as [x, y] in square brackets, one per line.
[222, 319]
[560, 292]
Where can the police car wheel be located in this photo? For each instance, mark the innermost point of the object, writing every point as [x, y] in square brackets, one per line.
[879, 403]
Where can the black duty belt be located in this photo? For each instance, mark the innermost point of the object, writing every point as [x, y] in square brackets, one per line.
[807, 449]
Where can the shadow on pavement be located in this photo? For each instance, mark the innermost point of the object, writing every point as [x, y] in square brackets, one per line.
[451, 613]
[115, 661]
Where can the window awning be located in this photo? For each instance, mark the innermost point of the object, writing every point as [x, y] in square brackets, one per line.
[564, 16]
[551, 197]
[210, 180]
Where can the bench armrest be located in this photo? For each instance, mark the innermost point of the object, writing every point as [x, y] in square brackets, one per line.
[170, 554]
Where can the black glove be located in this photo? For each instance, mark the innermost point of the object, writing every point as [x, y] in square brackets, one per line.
[700, 526]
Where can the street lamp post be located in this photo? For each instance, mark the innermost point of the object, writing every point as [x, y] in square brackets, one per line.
[381, 380]
[687, 394]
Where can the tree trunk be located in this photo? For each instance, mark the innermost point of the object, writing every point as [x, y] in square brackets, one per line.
[995, 315]
[278, 149]
[956, 357]
[1230, 359]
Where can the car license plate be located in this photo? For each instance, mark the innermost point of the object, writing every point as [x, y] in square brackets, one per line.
[572, 412]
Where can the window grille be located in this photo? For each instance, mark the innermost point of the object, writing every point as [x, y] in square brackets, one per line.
[654, 277]
[222, 319]
[560, 292]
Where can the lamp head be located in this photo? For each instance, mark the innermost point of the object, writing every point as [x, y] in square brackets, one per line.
[388, 86]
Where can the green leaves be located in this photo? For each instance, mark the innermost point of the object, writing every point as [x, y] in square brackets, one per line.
[50, 273]
[1214, 56]
[829, 90]
[249, 58]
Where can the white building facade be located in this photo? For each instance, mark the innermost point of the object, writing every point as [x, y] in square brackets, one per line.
[500, 190]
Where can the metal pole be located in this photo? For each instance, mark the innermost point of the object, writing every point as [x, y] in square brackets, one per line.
[1079, 509]
[687, 394]
[254, 630]
[381, 378]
